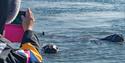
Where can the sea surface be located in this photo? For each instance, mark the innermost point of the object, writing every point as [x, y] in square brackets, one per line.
[75, 27]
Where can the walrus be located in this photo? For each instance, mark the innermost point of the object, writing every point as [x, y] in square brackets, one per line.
[114, 38]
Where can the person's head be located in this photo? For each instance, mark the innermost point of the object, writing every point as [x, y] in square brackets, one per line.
[8, 11]
[50, 49]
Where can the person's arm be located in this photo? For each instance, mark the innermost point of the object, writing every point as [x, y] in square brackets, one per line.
[30, 40]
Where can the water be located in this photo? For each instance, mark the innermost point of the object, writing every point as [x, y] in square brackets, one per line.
[75, 25]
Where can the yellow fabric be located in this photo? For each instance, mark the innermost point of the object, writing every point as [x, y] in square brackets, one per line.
[29, 46]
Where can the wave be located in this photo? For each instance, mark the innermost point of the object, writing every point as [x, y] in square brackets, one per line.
[68, 14]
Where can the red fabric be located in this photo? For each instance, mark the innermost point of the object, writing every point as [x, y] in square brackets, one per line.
[13, 32]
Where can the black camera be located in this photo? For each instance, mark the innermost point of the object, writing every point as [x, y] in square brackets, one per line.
[18, 19]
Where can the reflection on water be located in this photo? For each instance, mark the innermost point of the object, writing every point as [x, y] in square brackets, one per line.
[75, 25]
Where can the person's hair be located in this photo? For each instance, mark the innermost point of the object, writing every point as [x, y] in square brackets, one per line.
[3, 14]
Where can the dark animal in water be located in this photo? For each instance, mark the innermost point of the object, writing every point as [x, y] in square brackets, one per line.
[114, 38]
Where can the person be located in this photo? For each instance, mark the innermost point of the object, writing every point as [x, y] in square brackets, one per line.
[29, 49]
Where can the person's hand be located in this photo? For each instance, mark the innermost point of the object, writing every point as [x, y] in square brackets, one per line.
[28, 20]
